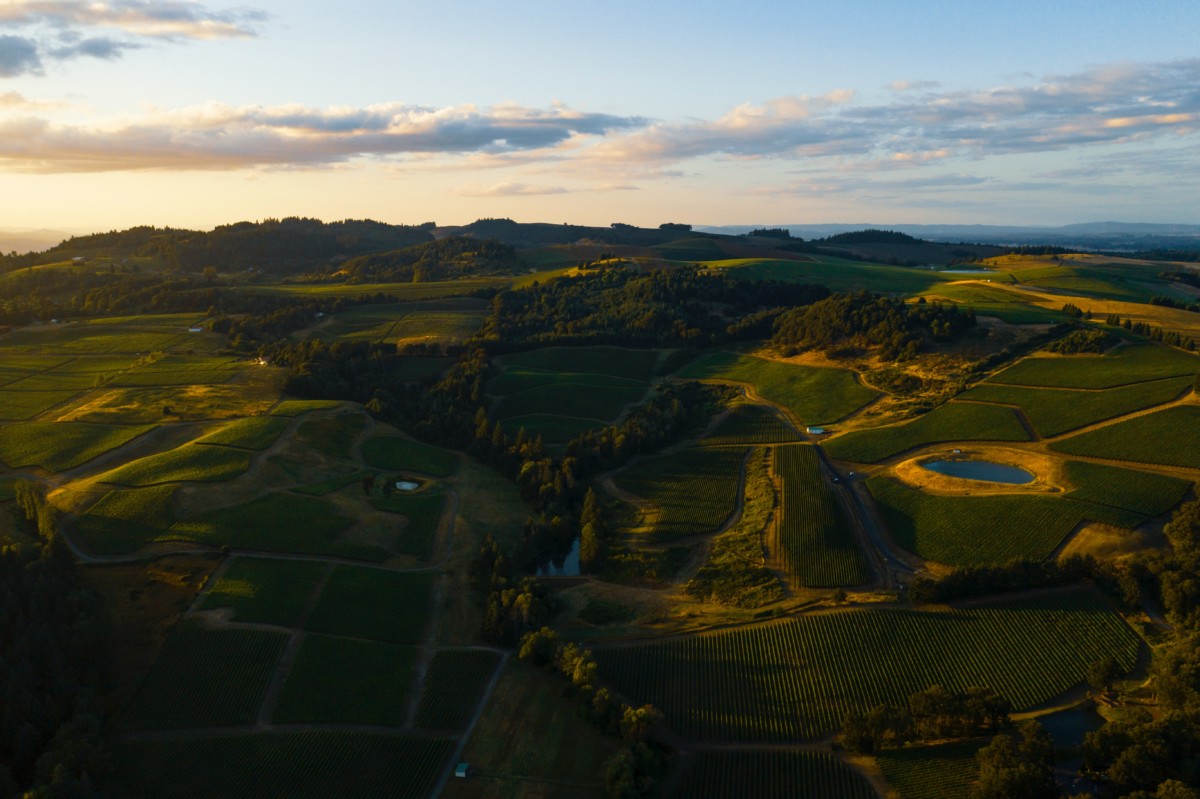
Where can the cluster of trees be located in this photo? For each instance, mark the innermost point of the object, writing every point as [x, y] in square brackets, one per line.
[928, 715]
[862, 320]
[643, 761]
[444, 259]
[514, 604]
[1168, 337]
[1182, 276]
[773, 233]
[1170, 302]
[1123, 584]
[618, 306]
[52, 647]
[1075, 312]
[869, 236]
[1019, 764]
[1085, 340]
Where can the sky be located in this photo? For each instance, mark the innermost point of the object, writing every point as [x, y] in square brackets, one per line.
[191, 113]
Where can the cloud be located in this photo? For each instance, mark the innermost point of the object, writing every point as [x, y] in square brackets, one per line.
[19, 56]
[176, 19]
[217, 136]
[913, 85]
[60, 31]
[509, 190]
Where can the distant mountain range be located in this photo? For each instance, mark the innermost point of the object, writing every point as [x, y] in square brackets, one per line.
[23, 241]
[1117, 236]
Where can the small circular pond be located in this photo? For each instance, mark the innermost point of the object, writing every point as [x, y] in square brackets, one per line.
[981, 470]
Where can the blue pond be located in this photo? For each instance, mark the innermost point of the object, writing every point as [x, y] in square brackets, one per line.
[981, 470]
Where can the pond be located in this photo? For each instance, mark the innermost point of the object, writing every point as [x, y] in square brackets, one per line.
[568, 566]
[981, 470]
[1067, 727]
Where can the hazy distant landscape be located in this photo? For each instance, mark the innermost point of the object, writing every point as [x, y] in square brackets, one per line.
[655, 401]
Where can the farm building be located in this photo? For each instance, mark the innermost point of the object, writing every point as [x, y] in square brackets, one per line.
[816, 431]
[462, 770]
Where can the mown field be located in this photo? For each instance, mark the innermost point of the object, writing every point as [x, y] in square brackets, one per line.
[1169, 437]
[986, 529]
[799, 678]
[817, 541]
[1132, 363]
[766, 774]
[305, 765]
[954, 421]
[814, 395]
[694, 490]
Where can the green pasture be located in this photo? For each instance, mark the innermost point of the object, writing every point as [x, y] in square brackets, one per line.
[1170, 437]
[1132, 363]
[374, 603]
[56, 446]
[552, 428]
[515, 379]
[454, 687]
[406, 455]
[397, 291]
[631, 364]
[206, 678]
[291, 408]
[1054, 411]
[344, 680]
[301, 765]
[838, 274]
[265, 590]
[797, 679]
[814, 395]
[333, 436]
[954, 421]
[601, 402]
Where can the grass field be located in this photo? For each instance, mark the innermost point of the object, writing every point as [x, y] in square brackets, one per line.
[817, 540]
[751, 424]
[814, 395]
[695, 490]
[423, 511]
[1142, 439]
[988, 529]
[398, 291]
[206, 678]
[301, 765]
[406, 455]
[838, 274]
[373, 603]
[327, 486]
[765, 774]
[179, 370]
[515, 379]
[635, 365]
[1056, 411]
[264, 590]
[189, 463]
[931, 772]
[954, 421]
[1132, 363]
[56, 446]
[1128, 489]
[454, 685]
[552, 428]
[348, 681]
[799, 678]
[256, 433]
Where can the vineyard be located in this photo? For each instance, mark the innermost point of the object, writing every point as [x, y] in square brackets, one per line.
[373, 603]
[302, 765]
[404, 454]
[1142, 439]
[56, 446]
[423, 511]
[1056, 411]
[256, 432]
[636, 365]
[454, 685]
[348, 681]
[799, 678]
[694, 489]
[814, 395]
[752, 424]
[191, 463]
[1128, 364]
[603, 403]
[815, 535]
[931, 772]
[756, 774]
[265, 590]
[206, 678]
[990, 529]
[954, 421]
[1128, 489]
